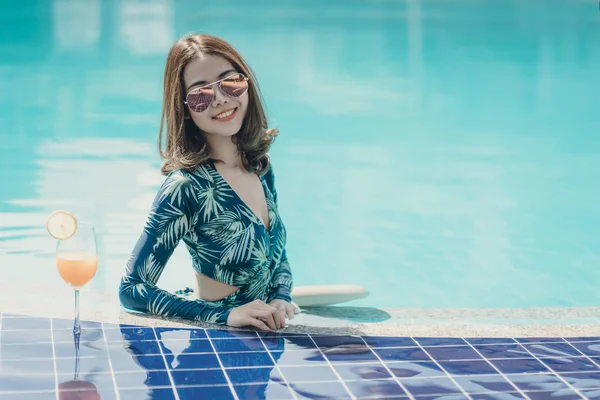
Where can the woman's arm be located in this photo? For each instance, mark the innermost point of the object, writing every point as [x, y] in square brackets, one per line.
[173, 212]
[281, 280]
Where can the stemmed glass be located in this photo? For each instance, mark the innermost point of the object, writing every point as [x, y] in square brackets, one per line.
[77, 262]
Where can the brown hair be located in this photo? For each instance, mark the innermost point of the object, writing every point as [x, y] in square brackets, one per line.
[185, 146]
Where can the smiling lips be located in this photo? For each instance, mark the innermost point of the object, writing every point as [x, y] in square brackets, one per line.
[225, 115]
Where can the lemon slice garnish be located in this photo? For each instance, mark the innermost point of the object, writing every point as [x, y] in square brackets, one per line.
[61, 224]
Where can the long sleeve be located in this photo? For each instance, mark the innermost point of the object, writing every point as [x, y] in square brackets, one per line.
[173, 213]
[281, 279]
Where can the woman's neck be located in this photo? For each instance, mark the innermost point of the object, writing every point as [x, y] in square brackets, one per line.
[222, 149]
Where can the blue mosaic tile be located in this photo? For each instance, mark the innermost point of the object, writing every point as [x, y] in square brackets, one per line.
[402, 354]
[26, 367]
[139, 362]
[270, 390]
[439, 341]
[182, 334]
[189, 346]
[238, 345]
[478, 367]
[26, 337]
[350, 354]
[145, 347]
[585, 380]
[540, 340]
[383, 341]
[192, 361]
[254, 359]
[86, 365]
[317, 390]
[146, 394]
[239, 376]
[289, 343]
[119, 335]
[30, 396]
[496, 396]
[588, 348]
[519, 366]
[552, 350]
[26, 383]
[490, 340]
[502, 351]
[362, 371]
[582, 339]
[306, 357]
[205, 393]
[484, 384]
[94, 349]
[419, 369]
[453, 353]
[534, 382]
[304, 374]
[87, 335]
[25, 323]
[16, 351]
[327, 342]
[573, 364]
[430, 386]
[230, 334]
[142, 378]
[376, 389]
[58, 323]
[199, 377]
[591, 394]
[558, 395]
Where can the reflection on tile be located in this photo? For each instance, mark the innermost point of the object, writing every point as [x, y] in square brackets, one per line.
[183, 334]
[86, 349]
[289, 343]
[136, 363]
[249, 375]
[585, 380]
[420, 369]
[17, 351]
[540, 340]
[325, 342]
[227, 334]
[133, 347]
[234, 345]
[307, 357]
[26, 367]
[439, 341]
[502, 351]
[589, 349]
[142, 378]
[430, 386]
[206, 392]
[103, 383]
[198, 377]
[319, 390]
[453, 353]
[478, 367]
[484, 384]
[582, 339]
[59, 323]
[524, 366]
[26, 337]
[305, 374]
[30, 396]
[368, 389]
[496, 396]
[402, 354]
[382, 341]
[26, 382]
[271, 390]
[537, 382]
[25, 323]
[591, 394]
[365, 371]
[187, 346]
[87, 335]
[86, 365]
[490, 340]
[572, 364]
[552, 350]
[254, 359]
[119, 335]
[349, 354]
[565, 394]
[192, 361]
[146, 394]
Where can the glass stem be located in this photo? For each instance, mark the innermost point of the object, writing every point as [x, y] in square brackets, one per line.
[76, 327]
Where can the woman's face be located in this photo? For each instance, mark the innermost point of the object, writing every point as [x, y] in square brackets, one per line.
[218, 118]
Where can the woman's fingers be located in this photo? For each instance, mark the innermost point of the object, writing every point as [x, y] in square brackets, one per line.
[289, 310]
[257, 323]
[268, 317]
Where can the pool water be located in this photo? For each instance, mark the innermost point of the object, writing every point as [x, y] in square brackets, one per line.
[439, 153]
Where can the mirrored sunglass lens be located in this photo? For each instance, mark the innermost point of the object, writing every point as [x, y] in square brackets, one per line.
[234, 85]
[199, 100]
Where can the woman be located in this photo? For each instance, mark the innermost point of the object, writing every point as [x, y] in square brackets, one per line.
[219, 197]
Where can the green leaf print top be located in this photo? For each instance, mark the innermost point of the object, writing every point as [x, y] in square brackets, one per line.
[226, 240]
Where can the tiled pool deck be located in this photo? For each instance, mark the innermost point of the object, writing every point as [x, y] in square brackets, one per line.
[37, 361]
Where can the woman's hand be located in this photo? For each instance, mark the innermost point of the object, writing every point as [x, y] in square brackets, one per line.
[258, 314]
[285, 309]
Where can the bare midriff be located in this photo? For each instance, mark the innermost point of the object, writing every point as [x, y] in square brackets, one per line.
[208, 289]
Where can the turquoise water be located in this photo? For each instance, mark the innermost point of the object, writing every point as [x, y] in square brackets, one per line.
[439, 153]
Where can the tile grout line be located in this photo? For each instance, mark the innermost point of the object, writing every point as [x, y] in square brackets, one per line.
[278, 369]
[54, 360]
[552, 371]
[394, 377]
[352, 396]
[498, 370]
[173, 387]
[110, 367]
[467, 395]
[233, 392]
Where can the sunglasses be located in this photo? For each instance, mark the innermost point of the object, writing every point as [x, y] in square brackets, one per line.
[199, 99]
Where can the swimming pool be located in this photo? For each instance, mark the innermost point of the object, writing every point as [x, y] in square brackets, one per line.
[441, 154]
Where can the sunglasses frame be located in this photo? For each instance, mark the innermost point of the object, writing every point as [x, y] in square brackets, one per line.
[216, 83]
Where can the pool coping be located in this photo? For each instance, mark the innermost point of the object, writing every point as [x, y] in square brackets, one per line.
[102, 306]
